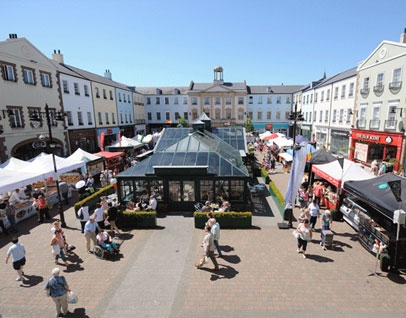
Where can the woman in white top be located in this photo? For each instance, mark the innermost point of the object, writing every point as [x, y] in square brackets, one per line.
[305, 235]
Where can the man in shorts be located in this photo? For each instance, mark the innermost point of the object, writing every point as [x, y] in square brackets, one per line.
[17, 251]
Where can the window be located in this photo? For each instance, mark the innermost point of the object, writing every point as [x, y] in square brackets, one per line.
[315, 97]
[259, 115]
[65, 86]
[328, 95]
[104, 93]
[322, 96]
[310, 117]
[307, 99]
[177, 116]
[111, 95]
[335, 92]
[176, 100]
[28, 76]
[107, 118]
[89, 118]
[287, 100]
[349, 112]
[121, 118]
[228, 113]
[341, 116]
[80, 118]
[365, 84]
[379, 80]
[250, 114]
[167, 116]
[278, 115]
[397, 75]
[269, 100]
[315, 115]
[69, 116]
[166, 101]
[124, 99]
[217, 114]
[287, 113]
[185, 100]
[119, 98]
[185, 115]
[158, 116]
[351, 90]
[9, 73]
[228, 101]
[86, 89]
[268, 115]
[250, 100]
[240, 114]
[97, 92]
[259, 99]
[321, 116]
[45, 79]
[149, 116]
[333, 119]
[194, 100]
[311, 98]
[99, 115]
[148, 100]
[157, 100]
[326, 117]
[217, 101]
[240, 100]
[278, 100]
[343, 88]
[207, 101]
[113, 118]
[76, 88]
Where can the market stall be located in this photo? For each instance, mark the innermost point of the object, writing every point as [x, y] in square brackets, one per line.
[113, 159]
[335, 175]
[94, 164]
[372, 208]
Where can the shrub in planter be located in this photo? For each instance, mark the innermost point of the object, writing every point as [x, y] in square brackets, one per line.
[133, 219]
[336, 215]
[227, 220]
[92, 199]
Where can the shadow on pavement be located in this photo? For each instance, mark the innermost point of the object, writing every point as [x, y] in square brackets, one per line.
[31, 281]
[319, 258]
[233, 259]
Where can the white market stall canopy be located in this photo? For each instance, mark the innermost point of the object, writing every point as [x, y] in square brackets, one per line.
[126, 143]
[332, 172]
[81, 155]
[16, 173]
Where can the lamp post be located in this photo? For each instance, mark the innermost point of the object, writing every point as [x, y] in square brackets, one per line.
[295, 119]
[36, 117]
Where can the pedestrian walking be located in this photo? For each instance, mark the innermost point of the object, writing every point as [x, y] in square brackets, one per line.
[305, 235]
[2, 216]
[43, 209]
[83, 216]
[90, 232]
[215, 230]
[314, 212]
[208, 249]
[58, 246]
[326, 221]
[58, 290]
[17, 252]
[99, 215]
[111, 218]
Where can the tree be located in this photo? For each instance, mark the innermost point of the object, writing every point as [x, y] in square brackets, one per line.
[182, 122]
[249, 127]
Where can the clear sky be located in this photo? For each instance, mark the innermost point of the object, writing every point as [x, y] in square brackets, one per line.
[170, 43]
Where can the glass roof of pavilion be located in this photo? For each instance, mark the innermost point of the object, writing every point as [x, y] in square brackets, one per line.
[186, 147]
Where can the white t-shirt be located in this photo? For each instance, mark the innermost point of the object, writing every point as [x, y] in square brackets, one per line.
[314, 209]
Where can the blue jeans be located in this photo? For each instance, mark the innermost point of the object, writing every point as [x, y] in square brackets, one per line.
[109, 246]
[12, 221]
[61, 255]
[216, 244]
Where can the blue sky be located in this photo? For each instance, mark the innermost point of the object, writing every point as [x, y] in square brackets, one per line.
[170, 43]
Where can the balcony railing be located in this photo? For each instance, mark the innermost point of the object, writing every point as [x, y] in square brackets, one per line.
[390, 124]
[378, 88]
[364, 91]
[395, 85]
[374, 124]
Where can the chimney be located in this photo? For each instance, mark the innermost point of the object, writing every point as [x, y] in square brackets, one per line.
[403, 36]
[58, 57]
[12, 36]
[107, 74]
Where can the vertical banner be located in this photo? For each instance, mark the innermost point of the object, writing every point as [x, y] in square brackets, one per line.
[102, 141]
[296, 176]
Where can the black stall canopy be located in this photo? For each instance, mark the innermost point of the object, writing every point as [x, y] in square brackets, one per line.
[378, 194]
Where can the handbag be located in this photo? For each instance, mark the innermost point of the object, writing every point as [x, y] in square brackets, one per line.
[72, 297]
[55, 249]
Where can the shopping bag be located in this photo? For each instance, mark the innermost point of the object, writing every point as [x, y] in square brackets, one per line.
[72, 297]
[296, 234]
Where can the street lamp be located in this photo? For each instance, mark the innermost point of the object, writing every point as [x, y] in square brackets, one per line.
[295, 119]
[36, 118]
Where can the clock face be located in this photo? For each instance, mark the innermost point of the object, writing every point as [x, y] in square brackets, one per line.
[382, 52]
[388, 139]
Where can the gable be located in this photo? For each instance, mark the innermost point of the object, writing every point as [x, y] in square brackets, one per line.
[385, 52]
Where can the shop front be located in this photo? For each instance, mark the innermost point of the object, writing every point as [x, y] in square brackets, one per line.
[339, 142]
[382, 146]
[84, 139]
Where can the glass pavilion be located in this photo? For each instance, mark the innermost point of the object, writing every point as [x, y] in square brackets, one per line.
[191, 165]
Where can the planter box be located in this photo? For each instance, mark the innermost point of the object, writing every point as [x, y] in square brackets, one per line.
[94, 198]
[227, 220]
[132, 220]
